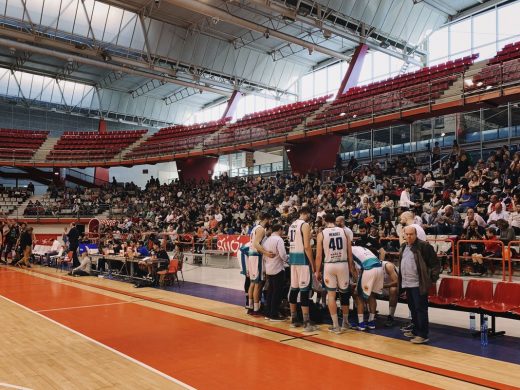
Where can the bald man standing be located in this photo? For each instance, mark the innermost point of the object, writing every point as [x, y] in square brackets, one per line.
[419, 268]
[407, 218]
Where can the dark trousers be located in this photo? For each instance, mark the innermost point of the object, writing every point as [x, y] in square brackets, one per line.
[75, 260]
[274, 293]
[418, 305]
[80, 273]
[8, 248]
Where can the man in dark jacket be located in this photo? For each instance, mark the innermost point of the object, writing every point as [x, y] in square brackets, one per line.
[73, 236]
[419, 268]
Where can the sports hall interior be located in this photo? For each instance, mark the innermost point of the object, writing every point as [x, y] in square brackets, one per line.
[143, 141]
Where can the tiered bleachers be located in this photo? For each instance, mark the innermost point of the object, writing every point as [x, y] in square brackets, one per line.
[20, 144]
[503, 68]
[92, 145]
[261, 124]
[418, 87]
[176, 139]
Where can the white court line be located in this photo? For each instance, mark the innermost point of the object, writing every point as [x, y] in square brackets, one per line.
[178, 382]
[14, 386]
[84, 307]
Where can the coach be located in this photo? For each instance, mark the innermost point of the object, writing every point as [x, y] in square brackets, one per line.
[275, 272]
[418, 269]
[73, 236]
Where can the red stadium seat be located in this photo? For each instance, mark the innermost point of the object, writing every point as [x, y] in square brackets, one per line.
[478, 293]
[451, 290]
[506, 298]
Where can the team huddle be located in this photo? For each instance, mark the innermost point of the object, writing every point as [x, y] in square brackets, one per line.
[339, 267]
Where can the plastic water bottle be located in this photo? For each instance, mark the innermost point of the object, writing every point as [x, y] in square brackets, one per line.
[472, 325]
[484, 332]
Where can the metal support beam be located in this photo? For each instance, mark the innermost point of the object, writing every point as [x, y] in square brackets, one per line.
[181, 94]
[105, 65]
[24, 99]
[146, 87]
[109, 79]
[146, 40]
[344, 26]
[232, 105]
[355, 66]
[227, 17]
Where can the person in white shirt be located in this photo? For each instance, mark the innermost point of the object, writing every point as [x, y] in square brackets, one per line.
[84, 267]
[405, 200]
[340, 222]
[514, 219]
[497, 214]
[471, 215]
[275, 272]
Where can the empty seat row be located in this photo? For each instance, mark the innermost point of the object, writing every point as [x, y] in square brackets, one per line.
[479, 296]
[93, 145]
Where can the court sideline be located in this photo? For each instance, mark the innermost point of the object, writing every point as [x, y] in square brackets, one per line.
[180, 342]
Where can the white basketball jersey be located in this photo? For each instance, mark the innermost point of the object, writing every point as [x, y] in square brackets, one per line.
[335, 245]
[296, 247]
[252, 238]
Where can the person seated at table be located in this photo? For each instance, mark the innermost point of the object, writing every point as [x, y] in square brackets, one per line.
[84, 266]
[142, 250]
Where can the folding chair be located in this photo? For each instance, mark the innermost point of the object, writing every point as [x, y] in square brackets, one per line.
[170, 274]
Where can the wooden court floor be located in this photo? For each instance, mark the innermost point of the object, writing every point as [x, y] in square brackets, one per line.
[64, 333]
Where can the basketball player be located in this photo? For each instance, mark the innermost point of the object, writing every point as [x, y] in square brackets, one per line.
[390, 288]
[336, 246]
[254, 263]
[370, 282]
[301, 260]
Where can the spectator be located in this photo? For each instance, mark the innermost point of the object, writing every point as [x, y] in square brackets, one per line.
[418, 269]
[84, 267]
[497, 214]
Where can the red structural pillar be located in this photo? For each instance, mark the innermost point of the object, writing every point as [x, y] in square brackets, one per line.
[314, 155]
[102, 126]
[232, 104]
[101, 176]
[355, 66]
[196, 169]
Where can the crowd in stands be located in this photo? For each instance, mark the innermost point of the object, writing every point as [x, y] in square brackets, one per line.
[458, 197]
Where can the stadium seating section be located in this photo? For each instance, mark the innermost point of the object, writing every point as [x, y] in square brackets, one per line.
[276, 121]
[20, 144]
[176, 139]
[90, 145]
[404, 91]
[425, 85]
[503, 68]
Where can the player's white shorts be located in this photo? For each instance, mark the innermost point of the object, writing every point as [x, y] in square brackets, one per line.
[372, 281]
[301, 277]
[254, 267]
[336, 276]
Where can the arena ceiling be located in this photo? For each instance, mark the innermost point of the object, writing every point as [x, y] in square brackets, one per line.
[157, 61]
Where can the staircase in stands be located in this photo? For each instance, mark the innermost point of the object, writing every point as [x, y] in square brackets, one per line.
[46, 147]
[301, 127]
[455, 91]
[18, 212]
[133, 146]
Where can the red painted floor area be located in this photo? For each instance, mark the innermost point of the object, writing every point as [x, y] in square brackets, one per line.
[202, 355]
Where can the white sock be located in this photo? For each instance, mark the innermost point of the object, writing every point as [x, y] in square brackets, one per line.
[392, 310]
[256, 306]
[371, 317]
[250, 303]
[335, 322]
[360, 318]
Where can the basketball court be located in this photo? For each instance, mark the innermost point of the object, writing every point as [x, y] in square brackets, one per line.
[97, 333]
